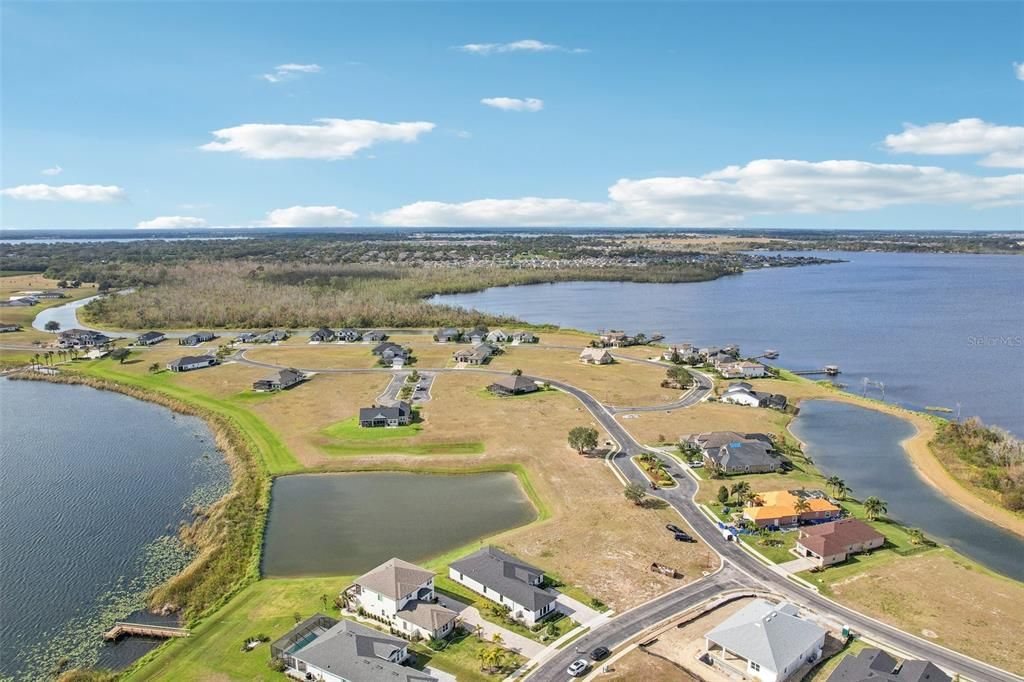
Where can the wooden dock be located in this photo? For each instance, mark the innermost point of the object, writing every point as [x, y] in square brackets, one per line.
[123, 629]
[831, 370]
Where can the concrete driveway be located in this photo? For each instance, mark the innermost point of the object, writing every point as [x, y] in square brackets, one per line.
[471, 617]
[797, 565]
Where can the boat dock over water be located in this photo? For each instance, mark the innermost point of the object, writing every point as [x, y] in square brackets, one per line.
[830, 370]
[123, 629]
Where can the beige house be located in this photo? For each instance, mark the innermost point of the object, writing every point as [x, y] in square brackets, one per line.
[831, 543]
[402, 595]
[596, 356]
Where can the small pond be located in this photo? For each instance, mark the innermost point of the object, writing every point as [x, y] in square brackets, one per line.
[345, 524]
[862, 447]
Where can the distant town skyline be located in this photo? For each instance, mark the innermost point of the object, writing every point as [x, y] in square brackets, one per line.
[753, 115]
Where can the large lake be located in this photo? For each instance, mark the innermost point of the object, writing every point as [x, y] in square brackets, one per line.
[93, 487]
[936, 329]
[862, 447]
[345, 524]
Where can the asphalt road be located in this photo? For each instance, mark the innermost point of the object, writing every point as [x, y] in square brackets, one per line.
[739, 569]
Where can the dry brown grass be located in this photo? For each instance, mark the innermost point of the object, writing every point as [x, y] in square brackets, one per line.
[639, 665]
[621, 383]
[648, 427]
[594, 538]
[945, 599]
[319, 356]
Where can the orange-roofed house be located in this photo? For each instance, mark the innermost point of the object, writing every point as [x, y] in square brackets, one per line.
[778, 508]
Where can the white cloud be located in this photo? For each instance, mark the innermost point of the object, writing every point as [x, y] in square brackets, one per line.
[309, 216]
[514, 103]
[56, 170]
[1002, 145]
[79, 193]
[1018, 69]
[527, 45]
[729, 196]
[172, 221]
[283, 72]
[330, 138]
[525, 212]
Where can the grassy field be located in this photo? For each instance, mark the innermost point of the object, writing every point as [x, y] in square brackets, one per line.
[13, 285]
[349, 429]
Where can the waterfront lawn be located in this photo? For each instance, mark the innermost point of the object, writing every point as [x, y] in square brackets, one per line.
[938, 595]
[276, 457]
[213, 651]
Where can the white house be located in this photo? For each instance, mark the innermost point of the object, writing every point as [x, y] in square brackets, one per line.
[742, 393]
[402, 595]
[505, 580]
[765, 641]
[744, 369]
[497, 336]
[596, 356]
[322, 648]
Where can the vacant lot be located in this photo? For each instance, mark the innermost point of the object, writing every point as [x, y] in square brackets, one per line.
[622, 383]
[593, 538]
[649, 427]
[939, 596]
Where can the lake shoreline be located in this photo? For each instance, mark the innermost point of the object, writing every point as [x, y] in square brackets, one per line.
[918, 451]
[201, 533]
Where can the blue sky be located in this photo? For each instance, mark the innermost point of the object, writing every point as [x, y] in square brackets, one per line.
[692, 114]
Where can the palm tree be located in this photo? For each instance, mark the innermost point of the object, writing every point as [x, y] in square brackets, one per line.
[801, 506]
[497, 638]
[842, 489]
[832, 482]
[154, 368]
[740, 490]
[874, 508]
[916, 536]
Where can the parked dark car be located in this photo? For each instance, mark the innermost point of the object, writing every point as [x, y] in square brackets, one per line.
[600, 653]
[673, 528]
[684, 537]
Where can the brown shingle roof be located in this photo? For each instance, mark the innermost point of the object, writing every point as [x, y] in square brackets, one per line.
[394, 578]
[827, 539]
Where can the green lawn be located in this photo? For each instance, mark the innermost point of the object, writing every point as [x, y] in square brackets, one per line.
[462, 658]
[277, 458]
[776, 554]
[349, 429]
[447, 586]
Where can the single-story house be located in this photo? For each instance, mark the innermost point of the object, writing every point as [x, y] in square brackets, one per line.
[778, 508]
[778, 401]
[447, 335]
[506, 580]
[402, 594]
[744, 369]
[497, 336]
[875, 665]
[246, 337]
[21, 301]
[389, 352]
[374, 335]
[323, 335]
[197, 338]
[150, 338]
[708, 351]
[399, 414]
[477, 355]
[349, 334]
[765, 641]
[323, 648]
[523, 336]
[50, 294]
[191, 362]
[4, 328]
[513, 385]
[720, 358]
[831, 543]
[283, 379]
[81, 338]
[596, 356]
[273, 336]
[737, 453]
[742, 394]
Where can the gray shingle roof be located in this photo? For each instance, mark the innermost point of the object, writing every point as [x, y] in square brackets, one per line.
[771, 635]
[506, 575]
[395, 411]
[875, 665]
[359, 654]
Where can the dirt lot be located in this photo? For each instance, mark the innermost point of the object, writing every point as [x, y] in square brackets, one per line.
[648, 427]
[939, 597]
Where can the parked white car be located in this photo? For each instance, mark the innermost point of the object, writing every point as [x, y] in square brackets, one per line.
[578, 667]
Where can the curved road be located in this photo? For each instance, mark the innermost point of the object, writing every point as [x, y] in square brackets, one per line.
[739, 569]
